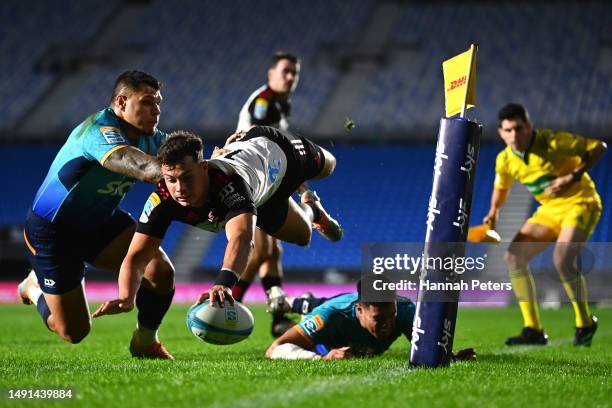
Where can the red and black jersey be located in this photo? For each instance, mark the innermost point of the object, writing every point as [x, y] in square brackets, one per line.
[228, 196]
[264, 108]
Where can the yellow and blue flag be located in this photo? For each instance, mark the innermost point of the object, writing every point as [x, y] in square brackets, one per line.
[460, 82]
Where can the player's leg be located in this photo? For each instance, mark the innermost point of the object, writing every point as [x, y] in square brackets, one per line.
[262, 250]
[153, 301]
[55, 284]
[329, 165]
[271, 277]
[156, 291]
[296, 226]
[517, 259]
[577, 227]
[322, 165]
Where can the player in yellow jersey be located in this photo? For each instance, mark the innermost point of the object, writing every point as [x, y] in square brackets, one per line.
[553, 166]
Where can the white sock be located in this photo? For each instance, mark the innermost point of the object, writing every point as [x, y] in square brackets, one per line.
[146, 336]
[290, 300]
[34, 294]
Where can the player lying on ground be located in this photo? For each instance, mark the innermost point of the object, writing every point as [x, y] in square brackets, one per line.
[553, 166]
[345, 326]
[249, 186]
[269, 105]
[75, 216]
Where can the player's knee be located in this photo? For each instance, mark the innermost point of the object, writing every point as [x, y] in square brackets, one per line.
[564, 260]
[160, 274]
[277, 251]
[265, 251]
[513, 260]
[330, 164]
[304, 238]
[74, 333]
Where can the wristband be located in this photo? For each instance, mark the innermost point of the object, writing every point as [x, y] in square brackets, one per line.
[227, 278]
[576, 175]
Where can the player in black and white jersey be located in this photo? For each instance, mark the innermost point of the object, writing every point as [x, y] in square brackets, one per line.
[270, 105]
[249, 187]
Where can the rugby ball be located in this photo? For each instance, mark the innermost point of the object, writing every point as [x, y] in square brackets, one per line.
[220, 325]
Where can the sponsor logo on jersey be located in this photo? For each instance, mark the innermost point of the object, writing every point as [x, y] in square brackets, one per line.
[112, 135]
[537, 187]
[116, 188]
[313, 324]
[299, 147]
[261, 108]
[273, 170]
[151, 203]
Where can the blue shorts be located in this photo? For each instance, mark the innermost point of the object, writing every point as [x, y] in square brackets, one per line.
[58, 253]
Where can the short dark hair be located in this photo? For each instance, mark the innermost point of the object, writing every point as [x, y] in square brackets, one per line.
[179, 144]
[365, 286]
[133, 80]
[512, 111]
[281, 55]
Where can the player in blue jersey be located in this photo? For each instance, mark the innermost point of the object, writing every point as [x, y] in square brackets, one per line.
[348, 325]
[75, 218]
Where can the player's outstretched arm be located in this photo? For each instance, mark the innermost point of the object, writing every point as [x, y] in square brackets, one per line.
[240, 232]
[498, 198]
[293, 345]
[142, 250]
[133, 162]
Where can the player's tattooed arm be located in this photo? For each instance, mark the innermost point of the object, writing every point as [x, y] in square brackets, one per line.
[135, 163]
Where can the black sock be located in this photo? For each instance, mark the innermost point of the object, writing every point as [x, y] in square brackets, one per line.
[240, 289]
[43, 310]
[316, 213]
[268, 281]
[152, 307]
[306, 305]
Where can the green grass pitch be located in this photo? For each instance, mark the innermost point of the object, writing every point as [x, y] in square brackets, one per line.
[103, 375]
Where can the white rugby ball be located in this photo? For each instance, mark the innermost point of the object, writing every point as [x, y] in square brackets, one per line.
[220, 325]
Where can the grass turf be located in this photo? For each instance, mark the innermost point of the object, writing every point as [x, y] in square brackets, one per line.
[103, 375]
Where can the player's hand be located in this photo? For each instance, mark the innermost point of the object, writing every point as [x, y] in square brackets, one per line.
[234, 137]
[557, 186]
[467, 354]
[114, 307]
[218, 151]
[338, 354]
[217, 293]
[490, 219]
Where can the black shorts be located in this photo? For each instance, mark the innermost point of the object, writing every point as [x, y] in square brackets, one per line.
[58, 254]
[305, 160]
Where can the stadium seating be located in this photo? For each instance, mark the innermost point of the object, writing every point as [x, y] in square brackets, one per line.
[218, 52]
[544, 55]
[28, 32]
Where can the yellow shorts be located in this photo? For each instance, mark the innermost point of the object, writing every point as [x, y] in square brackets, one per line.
[583, 216]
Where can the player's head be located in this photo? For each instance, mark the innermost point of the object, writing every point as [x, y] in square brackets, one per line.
[137, 99]
[184, 168]
[284, 73]
[515, 127]
[376, 310]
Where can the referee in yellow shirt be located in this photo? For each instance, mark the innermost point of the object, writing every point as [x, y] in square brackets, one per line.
[553, 167]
